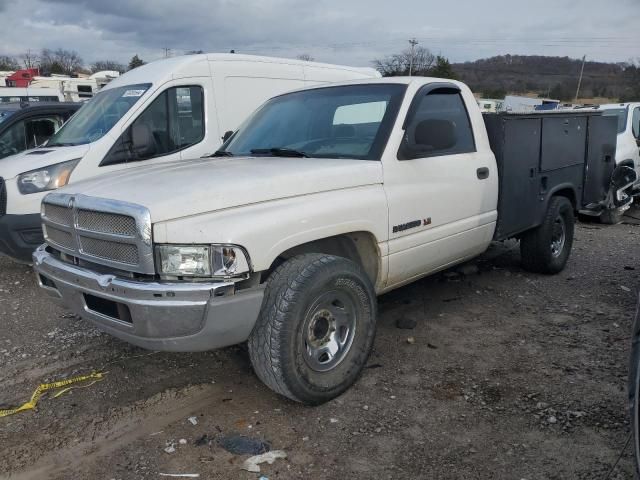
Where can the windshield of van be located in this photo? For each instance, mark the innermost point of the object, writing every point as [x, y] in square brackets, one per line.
[621, 113]
[98, 115]
[350, 121]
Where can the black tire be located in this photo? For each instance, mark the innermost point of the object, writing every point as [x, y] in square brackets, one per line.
[634, 389]
[282, 343]
[540, 250]
[612, 217]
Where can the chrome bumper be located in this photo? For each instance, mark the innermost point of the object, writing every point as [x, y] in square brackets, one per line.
[183, 317]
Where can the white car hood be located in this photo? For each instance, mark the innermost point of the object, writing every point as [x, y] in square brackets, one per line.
[180, 189]
[28, 160]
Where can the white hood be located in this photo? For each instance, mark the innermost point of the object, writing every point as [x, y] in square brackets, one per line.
[28, 160]
[180, 189]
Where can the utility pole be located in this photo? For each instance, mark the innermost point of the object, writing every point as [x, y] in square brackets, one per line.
[580, 79]
[413, 43]
[167, 52]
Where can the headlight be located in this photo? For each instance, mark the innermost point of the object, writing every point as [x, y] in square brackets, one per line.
[47, 178]
[202, 260]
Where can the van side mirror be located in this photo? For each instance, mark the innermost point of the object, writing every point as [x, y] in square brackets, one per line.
[143, 145]
[227, 135]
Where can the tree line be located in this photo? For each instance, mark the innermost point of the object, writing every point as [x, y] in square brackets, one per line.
[495, 77]
[63, 62]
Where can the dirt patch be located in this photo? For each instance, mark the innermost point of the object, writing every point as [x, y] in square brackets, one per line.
[511, 375]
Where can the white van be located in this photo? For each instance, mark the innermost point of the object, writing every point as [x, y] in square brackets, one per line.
[171, 109]
[627, 147]
[30, 94]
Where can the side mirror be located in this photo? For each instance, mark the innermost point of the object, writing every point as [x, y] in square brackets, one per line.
[142, 142]
[227, 135]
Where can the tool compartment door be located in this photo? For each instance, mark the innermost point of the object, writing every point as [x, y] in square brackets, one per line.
[603, 134]
[518, 161]
[564, 142]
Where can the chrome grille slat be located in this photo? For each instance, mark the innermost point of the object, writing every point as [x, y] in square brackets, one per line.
[107, 232]
[114, 251]
[58, 214]
[59, 237]
[111, 223]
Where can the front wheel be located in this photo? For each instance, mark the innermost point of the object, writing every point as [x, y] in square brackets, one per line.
[546, 249]
[315, 329]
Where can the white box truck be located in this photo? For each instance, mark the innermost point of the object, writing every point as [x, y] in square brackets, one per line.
[184, 105]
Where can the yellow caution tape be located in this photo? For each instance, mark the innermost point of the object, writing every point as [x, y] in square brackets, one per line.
[31, 404]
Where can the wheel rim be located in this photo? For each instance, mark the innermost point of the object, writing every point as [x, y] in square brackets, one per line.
[328, 330]
[558, 236]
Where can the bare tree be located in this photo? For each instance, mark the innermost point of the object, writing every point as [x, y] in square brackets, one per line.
[101, 65]
[398, 64]
[60, 61]
[306, 57]
[8, 62]
[30, 59]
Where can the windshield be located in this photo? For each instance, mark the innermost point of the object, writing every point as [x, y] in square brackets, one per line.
[98, 115]
[621, 113]
[351, 121]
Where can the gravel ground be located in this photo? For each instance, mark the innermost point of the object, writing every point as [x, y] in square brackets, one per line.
[507, 374]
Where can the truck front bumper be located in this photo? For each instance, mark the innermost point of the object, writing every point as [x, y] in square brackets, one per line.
[179, 317]
[20, 235]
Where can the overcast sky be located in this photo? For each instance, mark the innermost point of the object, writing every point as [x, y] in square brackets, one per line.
[336, 31]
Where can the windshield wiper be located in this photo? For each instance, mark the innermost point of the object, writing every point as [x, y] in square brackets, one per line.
[67, 144]
[279, 152]
[221, 153]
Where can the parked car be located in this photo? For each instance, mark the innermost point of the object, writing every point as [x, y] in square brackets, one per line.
[322, 199]
[628, 146]
[24, 126]
[182, 106]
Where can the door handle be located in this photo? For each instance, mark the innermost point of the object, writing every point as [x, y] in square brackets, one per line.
[483, 173]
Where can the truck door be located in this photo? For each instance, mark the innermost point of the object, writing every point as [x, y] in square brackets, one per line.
[442, 187]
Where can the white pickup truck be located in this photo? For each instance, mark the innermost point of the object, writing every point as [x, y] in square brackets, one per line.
[324, 198]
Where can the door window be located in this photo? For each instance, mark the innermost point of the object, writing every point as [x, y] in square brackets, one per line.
[438, 124]
[13, 140]
[39, 130]
[174, 121]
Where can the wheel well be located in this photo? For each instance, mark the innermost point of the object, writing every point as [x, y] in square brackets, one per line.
[628, 162]
[569, 194]
[359, 247]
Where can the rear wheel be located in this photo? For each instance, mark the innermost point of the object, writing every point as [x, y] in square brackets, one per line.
[546, 249]
[315, 329]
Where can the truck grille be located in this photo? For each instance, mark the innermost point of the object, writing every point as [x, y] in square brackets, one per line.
[107, 232]
[3, 198]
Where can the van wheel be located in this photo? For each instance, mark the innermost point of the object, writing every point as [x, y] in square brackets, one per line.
[315, 329]
[546, 249]
[612, 217]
